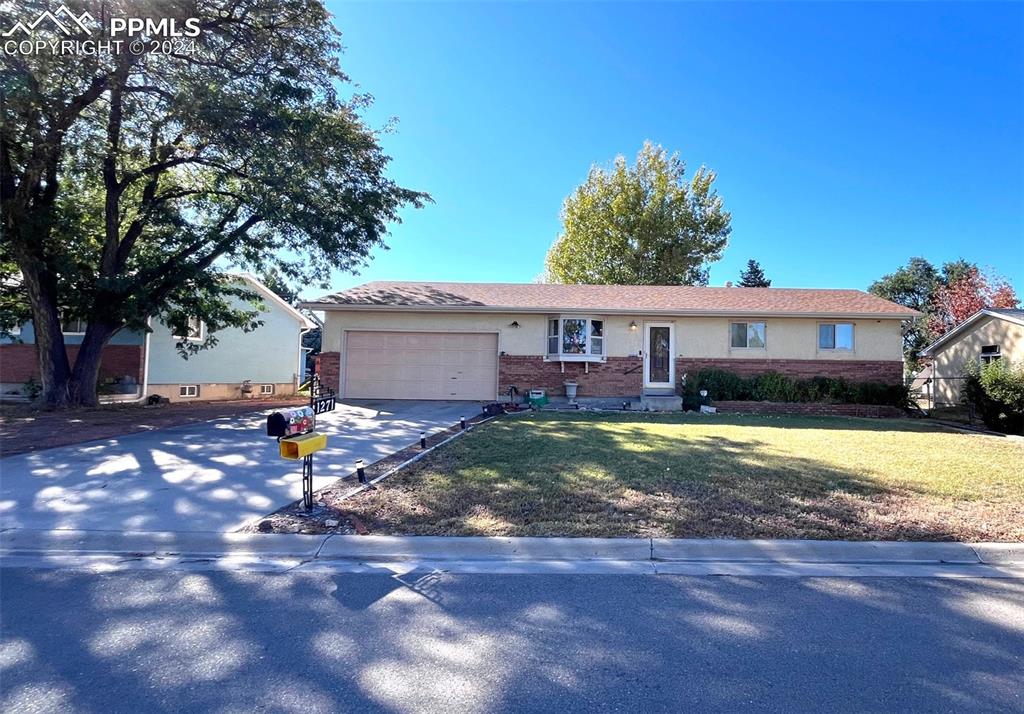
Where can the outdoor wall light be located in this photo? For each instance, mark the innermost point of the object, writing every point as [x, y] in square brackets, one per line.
[703, 393]
[514, 324]
[632, 325]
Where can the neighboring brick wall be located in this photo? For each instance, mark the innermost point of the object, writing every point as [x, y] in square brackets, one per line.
[809, 408]
[885, 371]
[605, 379]
[18, 362]
[330, 370]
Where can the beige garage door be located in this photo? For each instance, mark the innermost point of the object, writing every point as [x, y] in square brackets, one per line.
[420, 365]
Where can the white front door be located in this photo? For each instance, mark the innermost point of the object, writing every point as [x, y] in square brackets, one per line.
[659, 349]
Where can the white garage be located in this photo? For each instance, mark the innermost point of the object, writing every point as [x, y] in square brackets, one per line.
[420, 365]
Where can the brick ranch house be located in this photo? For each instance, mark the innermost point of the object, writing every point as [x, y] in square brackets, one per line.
[406, 340]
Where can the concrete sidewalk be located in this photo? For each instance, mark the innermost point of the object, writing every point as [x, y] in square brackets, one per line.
[66, 548]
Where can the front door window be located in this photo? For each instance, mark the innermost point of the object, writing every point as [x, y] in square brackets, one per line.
[659, 354]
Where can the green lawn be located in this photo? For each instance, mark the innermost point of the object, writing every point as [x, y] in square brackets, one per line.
[708, 476]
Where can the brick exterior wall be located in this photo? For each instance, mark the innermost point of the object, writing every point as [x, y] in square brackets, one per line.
[18, 362]
[329, 369]
[617, 377]
[885, 371]
[810, 409]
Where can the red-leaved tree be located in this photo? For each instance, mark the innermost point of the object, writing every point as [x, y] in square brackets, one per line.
[973, 291]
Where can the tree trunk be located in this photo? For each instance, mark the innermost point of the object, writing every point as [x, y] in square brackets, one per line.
[82, 389]
[51, 355]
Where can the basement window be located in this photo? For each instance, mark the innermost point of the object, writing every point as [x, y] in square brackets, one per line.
[188, 390]
[575, 339]
[266, 389]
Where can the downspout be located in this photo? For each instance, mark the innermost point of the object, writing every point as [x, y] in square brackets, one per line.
[145, 364]
[300, 374]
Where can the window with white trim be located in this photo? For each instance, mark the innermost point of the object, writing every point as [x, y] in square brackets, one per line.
[575, 338]
[188, 390]
[835, 336]
[747, 335]
[195, 330]
[73, 326]
[990, 354]
[266, 389]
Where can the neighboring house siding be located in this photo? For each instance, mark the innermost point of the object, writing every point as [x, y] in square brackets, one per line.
[267, 355]
[951, 358]
[791, 347]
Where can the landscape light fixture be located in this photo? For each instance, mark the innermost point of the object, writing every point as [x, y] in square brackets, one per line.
[360, 471]
[423, 440]
[462, 422]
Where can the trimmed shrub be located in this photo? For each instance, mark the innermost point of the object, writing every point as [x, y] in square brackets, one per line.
[996, 390]
[774, 387]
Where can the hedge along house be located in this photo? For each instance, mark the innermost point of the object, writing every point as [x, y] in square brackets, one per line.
[986, 336]
[403, 340]
[136, 364]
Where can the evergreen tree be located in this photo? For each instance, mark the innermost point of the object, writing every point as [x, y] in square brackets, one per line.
[753, 276]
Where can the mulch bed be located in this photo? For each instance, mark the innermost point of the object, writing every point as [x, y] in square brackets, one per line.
[24, 428]
[329, 503]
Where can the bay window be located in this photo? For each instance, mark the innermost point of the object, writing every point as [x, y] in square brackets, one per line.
[575, 339]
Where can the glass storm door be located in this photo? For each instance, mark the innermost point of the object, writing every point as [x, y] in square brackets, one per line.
[659, 367]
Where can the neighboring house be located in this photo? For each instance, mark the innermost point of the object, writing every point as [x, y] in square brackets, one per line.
[986, 336]
[137, 364]
[475, 340]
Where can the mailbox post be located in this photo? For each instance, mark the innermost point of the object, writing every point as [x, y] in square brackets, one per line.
[296, 433]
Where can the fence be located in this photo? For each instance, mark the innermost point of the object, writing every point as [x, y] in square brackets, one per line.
[939, 392]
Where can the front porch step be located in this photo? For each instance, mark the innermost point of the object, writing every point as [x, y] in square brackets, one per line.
[661, 403]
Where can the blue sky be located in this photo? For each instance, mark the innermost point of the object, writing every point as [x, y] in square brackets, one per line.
[847, 137]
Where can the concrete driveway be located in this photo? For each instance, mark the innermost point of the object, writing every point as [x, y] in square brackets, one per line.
[211, 476]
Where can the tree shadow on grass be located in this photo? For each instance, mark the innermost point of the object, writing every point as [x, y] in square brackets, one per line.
[582, 475]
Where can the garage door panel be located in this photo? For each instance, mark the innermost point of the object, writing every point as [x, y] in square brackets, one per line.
[420, 365]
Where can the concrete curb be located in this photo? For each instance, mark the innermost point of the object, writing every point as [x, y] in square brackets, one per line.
[27, 542]
[484, 548]
[811, 551]
[158, 543]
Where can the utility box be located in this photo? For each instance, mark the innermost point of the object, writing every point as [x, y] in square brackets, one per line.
[291, 422]
[298, 447]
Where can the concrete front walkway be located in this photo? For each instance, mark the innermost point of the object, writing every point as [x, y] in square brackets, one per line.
[212, 476]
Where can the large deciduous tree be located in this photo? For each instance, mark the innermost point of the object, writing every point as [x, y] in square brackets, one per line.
[973, 290]
[643, 224]
[945, 297]
[130, 182]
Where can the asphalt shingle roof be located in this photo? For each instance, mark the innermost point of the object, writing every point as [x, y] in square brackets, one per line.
[612, 298]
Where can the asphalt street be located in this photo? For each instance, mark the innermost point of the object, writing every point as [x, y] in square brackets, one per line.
[220, 641]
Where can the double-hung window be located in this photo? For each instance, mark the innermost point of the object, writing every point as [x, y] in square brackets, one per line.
[747, 335]
[990, 354]
[194, 330]
[835, 336]
[575, 339]
[73, 326]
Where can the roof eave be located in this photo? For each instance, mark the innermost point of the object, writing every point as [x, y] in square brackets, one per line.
[929, 351]
[353, 307]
